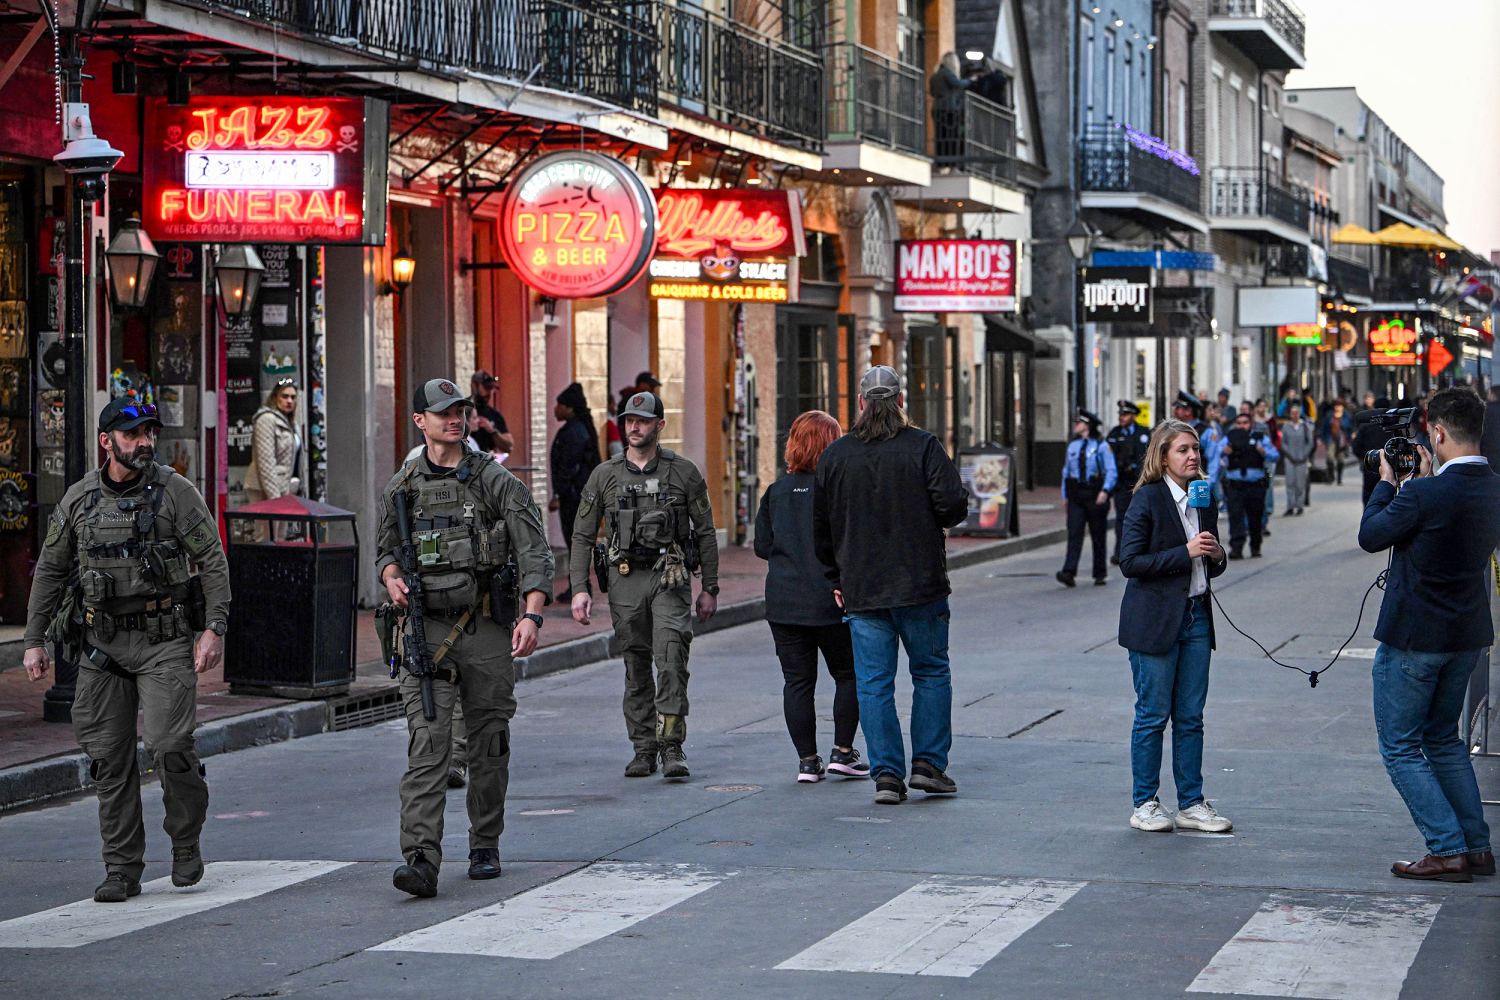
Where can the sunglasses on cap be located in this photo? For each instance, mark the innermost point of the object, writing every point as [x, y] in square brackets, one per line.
[139, 410]
[286, 383]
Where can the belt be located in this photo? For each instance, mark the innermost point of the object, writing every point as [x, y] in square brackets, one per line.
[447, 614]
[135, 622]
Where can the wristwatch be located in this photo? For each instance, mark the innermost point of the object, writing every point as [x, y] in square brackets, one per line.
[218, 628]
[712, 591]
[536, 618]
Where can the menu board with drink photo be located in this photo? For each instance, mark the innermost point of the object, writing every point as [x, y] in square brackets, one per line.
[988, 474]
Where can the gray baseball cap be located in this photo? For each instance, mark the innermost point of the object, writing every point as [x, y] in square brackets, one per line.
[880, 382]
[437, 395]
[644, 404]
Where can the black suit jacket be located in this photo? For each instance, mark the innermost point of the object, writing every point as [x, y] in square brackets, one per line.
[1153, 556]
[1441, 530]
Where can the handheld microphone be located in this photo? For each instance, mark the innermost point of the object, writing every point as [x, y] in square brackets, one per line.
[1200, 494]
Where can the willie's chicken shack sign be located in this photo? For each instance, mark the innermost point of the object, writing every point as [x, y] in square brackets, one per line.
[726, 244]
[281, 169]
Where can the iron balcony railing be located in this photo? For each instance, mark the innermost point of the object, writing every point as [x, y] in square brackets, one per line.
[635, 54]
[732, 74]
[1119, 158]
[975, 135]
[1286, 19]
[1350, 276]
[875, 99]
[1250, 192]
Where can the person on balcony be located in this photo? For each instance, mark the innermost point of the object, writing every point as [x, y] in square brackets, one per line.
[947, 89]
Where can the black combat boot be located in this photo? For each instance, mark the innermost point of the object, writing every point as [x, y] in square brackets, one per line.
[116, 888]
[418, 878]
[642, 764]
[484, 862]
[671, 731]
[187, 865]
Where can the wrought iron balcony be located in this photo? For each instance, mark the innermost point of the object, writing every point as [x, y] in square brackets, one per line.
[1250, 192]
[877, 100]
[976, 136]
[1351, 277]
[1118, 158]
[732, 74]
[1272, 32]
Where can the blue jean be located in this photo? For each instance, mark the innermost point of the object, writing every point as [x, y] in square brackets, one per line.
[1171, 685]
[1418, 699]
[923, 630]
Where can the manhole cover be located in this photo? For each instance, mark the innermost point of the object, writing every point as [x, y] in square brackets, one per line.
[733, 788]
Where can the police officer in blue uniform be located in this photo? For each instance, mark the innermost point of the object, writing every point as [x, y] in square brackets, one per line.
[1189, 409]
[1128, 442]
[1241, 459]
[1088, 477]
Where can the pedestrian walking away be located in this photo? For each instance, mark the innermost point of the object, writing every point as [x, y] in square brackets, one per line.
[131, 569]
[805, 618]
[659, 531]
[1088, 478]
[1434, 629]
[1297, 442]
[575, 453]
[887, 480]
[1242, 460]
[1336, 430]
[483, 547]
[1127, 443]
[1170, 555]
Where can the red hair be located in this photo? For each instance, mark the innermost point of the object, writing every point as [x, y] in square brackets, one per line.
[810, 433]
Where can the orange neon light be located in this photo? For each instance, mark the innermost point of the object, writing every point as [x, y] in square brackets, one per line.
[568, 228]
[251, 126]
[686, 228]
[224, 205]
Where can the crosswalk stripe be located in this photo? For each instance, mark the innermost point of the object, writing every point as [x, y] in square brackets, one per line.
[1339, 948]
[944, 926]
[224, 882]
[556, 918]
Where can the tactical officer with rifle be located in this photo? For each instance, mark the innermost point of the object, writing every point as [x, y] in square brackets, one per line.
[459, 537]
[659, 530]
[131, 570]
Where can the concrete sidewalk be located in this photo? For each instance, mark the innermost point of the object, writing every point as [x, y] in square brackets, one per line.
[40, 760]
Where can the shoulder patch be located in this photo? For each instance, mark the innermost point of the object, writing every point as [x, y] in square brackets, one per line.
[56, 525]
[200, 539]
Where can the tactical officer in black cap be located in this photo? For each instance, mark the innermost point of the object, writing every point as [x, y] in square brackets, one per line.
[1088, 479]
[1128, 441]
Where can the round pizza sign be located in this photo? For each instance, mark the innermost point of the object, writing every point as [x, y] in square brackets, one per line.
[577, 225]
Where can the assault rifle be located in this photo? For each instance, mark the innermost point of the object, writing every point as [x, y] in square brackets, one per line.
[417, 658]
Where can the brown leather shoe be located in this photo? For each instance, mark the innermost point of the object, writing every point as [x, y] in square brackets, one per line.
[1481, 862]
[1454, 868]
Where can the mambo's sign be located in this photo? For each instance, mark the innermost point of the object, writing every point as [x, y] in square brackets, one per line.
[577, 225]
[1392, 342]
[1116, 294]
[726, 244]
[266, 170]
[955, 276]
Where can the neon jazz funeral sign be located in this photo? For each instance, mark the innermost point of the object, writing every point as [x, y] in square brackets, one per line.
[265, 169]
[726, 244]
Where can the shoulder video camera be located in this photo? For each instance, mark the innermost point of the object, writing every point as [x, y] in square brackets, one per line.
[1401, 449]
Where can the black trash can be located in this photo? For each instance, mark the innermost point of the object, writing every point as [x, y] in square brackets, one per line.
[292, 617]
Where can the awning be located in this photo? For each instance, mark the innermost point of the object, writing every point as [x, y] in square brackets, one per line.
[1357, 235]
[1001, 333]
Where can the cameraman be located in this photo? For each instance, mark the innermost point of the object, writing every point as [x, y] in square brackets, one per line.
[1242, 459]
[1433, 629]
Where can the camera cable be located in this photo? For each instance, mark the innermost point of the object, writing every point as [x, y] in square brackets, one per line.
[1311, 675]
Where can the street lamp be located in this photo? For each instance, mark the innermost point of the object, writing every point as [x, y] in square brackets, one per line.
[1080, 240]
[403, 269]
[237, 272]
[132, 264]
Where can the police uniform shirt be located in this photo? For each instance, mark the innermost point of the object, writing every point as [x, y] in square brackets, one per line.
[1098, 464]
[1189, 515]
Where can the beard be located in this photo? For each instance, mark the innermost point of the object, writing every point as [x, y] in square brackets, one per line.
[647, 441]
[138, 460]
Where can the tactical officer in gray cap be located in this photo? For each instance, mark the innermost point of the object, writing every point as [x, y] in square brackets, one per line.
[659, 530]
[469, 519]
[151, 573]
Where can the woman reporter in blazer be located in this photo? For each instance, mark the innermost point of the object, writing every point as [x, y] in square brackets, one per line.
[1168, 552]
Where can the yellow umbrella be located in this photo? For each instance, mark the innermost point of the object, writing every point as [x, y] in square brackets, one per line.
[1351, 233]
[1402, 235]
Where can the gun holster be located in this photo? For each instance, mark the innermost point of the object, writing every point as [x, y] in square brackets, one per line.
[601, 566]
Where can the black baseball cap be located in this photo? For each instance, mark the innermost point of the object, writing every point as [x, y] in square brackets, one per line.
[436, 395]
[127, 413]
[644, 404]
[649, 379]
[483, 377]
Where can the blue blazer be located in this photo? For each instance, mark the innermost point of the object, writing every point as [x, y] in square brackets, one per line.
[1153, 556]
[1441, 530]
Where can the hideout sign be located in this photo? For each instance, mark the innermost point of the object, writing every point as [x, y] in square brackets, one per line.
[1116, 294]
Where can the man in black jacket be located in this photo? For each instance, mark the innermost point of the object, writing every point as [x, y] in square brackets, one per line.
[575, 452]
[885, 493]
[1433, 628]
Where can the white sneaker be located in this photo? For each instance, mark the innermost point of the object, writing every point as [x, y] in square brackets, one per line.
[1151, 817]
[1202, 817]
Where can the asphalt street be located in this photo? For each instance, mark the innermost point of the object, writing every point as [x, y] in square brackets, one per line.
[742, 883]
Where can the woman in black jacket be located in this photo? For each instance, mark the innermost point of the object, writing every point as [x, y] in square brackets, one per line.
[1169, 551]
[800, 607]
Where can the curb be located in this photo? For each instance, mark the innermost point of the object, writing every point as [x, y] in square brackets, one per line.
[28, 784]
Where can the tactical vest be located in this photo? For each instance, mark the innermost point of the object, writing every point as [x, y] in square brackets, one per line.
[123, 561]
[459, 545]
[641, 525]
[1242, 457]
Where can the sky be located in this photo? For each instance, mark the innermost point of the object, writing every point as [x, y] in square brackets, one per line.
[1431, 70]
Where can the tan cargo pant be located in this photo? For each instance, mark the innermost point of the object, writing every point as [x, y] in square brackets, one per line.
[164, 691]
[487, 684]
[651, 622]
